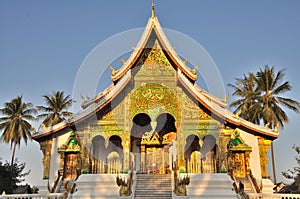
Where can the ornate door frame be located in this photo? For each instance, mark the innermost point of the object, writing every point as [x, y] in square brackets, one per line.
[238, 157]
[71, 149]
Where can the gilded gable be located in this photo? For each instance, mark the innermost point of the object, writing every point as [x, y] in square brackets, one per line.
[153, 64]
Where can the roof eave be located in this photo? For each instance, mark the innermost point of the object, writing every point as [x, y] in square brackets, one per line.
[90, 110]
[224, 115]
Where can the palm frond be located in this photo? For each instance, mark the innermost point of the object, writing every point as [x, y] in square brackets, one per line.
[289, 103]
[261, 101]
[56, 109]
[282, 88]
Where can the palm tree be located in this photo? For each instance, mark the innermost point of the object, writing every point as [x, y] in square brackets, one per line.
[14, 123]
[246, 88]
[262, 101]
[271, 88]
[56, 110]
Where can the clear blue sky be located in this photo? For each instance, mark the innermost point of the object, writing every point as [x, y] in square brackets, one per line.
[43, 43]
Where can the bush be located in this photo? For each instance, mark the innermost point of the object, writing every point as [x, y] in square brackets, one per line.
[295, 172]
[11, 175]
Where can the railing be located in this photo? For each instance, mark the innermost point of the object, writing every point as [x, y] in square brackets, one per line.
[254, 184]
[58, 184]
[273, 196]
[33, 196]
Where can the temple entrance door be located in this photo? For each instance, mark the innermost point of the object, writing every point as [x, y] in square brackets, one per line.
[70, 169]
[238, 157]
[238, 165]
[157, 158]
[150, 142]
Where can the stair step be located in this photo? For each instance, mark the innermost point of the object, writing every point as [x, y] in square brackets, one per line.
[62, 187]
[151, 197]
[151, 193]
[153, 186]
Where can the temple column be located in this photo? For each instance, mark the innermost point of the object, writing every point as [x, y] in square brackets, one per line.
[166, 158]
[222, 152]
[182, 163]
[62, 163]
[247, 163]
[126, 155]
[180, 151]
[86, 159]
[127, 145]
[46, 147]
[264, 146]
[143, 158]
[86, 162]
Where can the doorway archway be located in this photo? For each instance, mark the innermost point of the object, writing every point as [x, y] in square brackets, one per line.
[150, 142]
[98, 154]
[141, 123]
[192, 154]
[209, 154]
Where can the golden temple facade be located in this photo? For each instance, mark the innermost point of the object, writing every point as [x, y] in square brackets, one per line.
[152, 119]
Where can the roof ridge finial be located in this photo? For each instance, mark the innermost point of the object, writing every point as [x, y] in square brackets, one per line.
[153, 7]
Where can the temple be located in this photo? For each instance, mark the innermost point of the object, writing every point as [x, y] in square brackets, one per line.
[155, 119]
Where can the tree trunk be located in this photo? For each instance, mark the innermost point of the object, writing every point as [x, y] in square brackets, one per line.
[13, 154]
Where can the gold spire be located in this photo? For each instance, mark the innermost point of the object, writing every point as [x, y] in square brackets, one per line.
[153, 7]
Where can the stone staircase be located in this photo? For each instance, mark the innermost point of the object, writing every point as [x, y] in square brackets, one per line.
[154, 186]
[61, 188]
[248, 188]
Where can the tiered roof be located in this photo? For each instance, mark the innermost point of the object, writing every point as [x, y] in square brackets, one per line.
[186, 76]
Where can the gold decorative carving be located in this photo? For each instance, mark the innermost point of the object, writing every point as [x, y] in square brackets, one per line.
[225, 98]
[192, 110]
[70, 157]
[276, 128]
[195, 163]
[194, 71]
[122, 61]
[222, 151]
[113, 72]
[264, 146]
[238, 156]
[156, 160]
[153, 9]
[46, 147]
[154, 62]
[154, 98]
[147, 139]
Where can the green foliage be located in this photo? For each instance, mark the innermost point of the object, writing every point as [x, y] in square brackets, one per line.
[56, 110]
[14, 122]
[10, 176]
[295, 172]
[261, 97]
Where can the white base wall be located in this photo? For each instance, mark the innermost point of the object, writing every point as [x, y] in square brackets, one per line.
[97, 186]
[267, 186]
[214, 185]
[43, 187]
